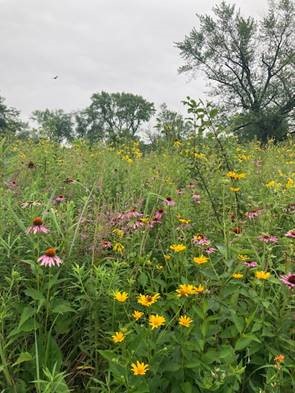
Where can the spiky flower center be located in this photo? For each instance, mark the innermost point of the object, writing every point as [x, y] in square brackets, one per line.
[50, 252]
[291, 279]
[37, 221]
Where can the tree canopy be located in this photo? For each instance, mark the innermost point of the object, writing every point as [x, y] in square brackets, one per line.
[111, 116]
[249, 63]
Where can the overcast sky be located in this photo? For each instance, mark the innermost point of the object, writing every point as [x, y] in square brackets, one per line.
[94, 45]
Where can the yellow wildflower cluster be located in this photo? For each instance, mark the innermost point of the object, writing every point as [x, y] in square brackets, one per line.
[236, 175]
[185, 290]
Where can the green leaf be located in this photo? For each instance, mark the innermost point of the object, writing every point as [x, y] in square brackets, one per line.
[186, 387]
[61, 306]
[244, 341]
[23, 357]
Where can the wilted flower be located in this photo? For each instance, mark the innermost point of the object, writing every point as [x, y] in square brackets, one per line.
[196, 198]
[37, 226]
[289, 280]
[118, 337]
[156, 321]
[185, 321]
[106, 244]
[31, 165]
[50, 258]
[139, 368]
[290, 234]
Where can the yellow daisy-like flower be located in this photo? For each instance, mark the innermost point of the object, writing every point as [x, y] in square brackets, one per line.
[177, 247]
[185, 290]
[262, 275]
[243, 258]
[200, 260]
[235, 175]
[238, 276]
[118, 337]
[184, 221]
[118, 232]
[147, 300]
[199, 289]
[290, 183]
[139, 368]
[185, 321]
[156, 321]
[119, 248]
[137, 314]
[121, 296]
[234, 189]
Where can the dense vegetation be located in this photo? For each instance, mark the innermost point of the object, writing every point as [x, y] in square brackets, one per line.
[167, 258]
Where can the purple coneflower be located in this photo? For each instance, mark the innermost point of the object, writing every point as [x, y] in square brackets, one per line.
[250, 264]
[169, 201]
[106, 244]
[59, 199]
[290, 234]
[196, 198]
[200, 240]
[12, 184]
[268, 239]
[210, 250]
[50, 258]
[253, 213]
[37, 226]
[289, 280]
[158, 215]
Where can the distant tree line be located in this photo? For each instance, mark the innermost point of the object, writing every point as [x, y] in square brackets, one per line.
[249, 63]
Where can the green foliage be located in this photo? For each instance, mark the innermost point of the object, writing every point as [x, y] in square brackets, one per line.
[57, 323]
[10, 124]
[250, 64]
[55, 125]
[113, 116]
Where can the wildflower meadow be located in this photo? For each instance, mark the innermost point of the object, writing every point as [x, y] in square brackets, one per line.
[134, 270]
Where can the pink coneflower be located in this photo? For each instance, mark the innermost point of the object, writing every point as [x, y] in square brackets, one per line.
[158, 215]
[12, 184]
[289, 280]
[268, 239]
[253, 213]
[200, 240]
[59, 199]
[106, 244]
[250, 264]
[50, 258]
[196, 198]
[169, 201]
[290, 234]
[37, 226]
[210, 250]
[133, 213]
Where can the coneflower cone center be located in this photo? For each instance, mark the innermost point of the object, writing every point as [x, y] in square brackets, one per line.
[37, 221]
[50, 252]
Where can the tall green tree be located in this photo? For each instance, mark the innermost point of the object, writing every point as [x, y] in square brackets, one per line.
[113, 116]
[10, 122]
[170, 124]
[54, 124]
[249, 63]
